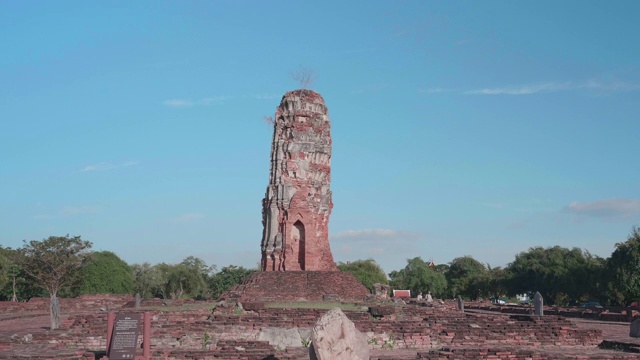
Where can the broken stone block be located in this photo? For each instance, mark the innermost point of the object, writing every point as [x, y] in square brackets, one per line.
[381, 291]
[382, 310]
[335, 337]
[331, 297]
[634, 330]
[253, 305]
[280, 338]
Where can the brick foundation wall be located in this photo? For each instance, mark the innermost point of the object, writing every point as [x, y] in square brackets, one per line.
[84, 303]
[295, 285]
[438, 330]
[412, 327]
[617, 314]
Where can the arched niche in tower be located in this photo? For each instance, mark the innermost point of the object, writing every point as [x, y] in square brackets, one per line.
[297, 232]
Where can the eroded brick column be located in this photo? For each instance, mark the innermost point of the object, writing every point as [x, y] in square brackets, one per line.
[297, 205]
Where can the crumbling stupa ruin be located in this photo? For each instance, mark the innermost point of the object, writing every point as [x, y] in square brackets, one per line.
[296, 258]
[297, 205]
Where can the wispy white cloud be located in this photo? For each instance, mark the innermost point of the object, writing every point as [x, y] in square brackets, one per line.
[372, 240]
[611, 86]
[107, 166]
[605, 208]
[163, 64]
[435, 90]
[494, 205]
[523, 89]
[463, 41]
[386, 246]
[371, 88]
[597, 86]
[265, 96]
[372, 233]
[213, 100]
[517, 225]
[357, 51]
[189, 218]
[177, 103]
[602, 87]
[182, 103]
[98, 167]
[68, 211]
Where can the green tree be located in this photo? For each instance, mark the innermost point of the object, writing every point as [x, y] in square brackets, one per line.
[180, 281]
[464, 277]
[368, 272]
[11, 275]
[147, 280]
[5, 264]
[226, 278]
[53, 264]
[417, 276]
[185, 281]
[18, 285]
[561, 275]
[442, 268]
[491, 282]
[105, 273]
[204, 271]
[623, 270]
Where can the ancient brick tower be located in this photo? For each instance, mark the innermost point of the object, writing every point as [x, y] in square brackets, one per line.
[297, 205]
[296, 258]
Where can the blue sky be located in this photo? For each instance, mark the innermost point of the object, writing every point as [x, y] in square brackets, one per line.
[459, 127]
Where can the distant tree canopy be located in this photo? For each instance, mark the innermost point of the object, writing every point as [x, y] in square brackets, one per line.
[623, 271]
[105, 273]
[147, 280]
[562, 276]
[226, 278]
[64, 266]
[368, 272]
[15, 284]
[492, 282]
[5, 264]
[464, 277]
[417, 276]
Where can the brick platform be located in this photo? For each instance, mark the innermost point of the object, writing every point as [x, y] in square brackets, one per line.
[415, 331]
[296, 285]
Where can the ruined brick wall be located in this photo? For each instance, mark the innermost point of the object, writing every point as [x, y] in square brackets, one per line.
[419, 328]
[297, 204]
[294, 285]
[89, 303]
[610, 313]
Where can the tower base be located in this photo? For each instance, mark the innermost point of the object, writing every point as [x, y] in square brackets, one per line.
[269, 286]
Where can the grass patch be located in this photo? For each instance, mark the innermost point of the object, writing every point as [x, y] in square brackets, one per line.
[314, 305]
[273, 305]
[197, 306]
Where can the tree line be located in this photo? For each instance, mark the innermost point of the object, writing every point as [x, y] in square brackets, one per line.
[65, 266]
[564, 277]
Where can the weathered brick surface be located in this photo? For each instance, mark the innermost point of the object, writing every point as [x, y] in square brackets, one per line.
[293, 285]
[620, 314]
[88, 303]
[413, 332]
[297, 204]
[410, 327]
